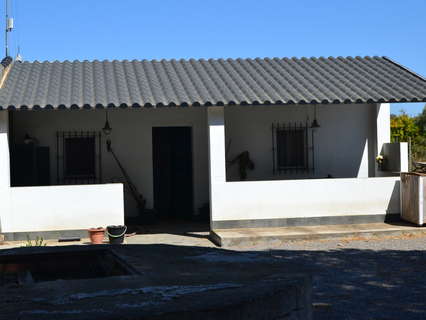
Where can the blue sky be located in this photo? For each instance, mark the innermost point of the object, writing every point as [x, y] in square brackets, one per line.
[142, 29]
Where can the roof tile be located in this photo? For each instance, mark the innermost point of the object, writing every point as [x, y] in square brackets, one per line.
[209, 82]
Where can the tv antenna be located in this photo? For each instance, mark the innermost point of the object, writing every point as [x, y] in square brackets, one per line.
[9, 27]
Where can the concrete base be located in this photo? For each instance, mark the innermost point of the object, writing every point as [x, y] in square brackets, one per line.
[251, 236]
[309, 221]
[46, 235]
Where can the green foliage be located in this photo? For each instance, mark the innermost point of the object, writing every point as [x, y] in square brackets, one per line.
[38, 242]
[403, 128]
[410, 129]
[418, 148]
[421, 122]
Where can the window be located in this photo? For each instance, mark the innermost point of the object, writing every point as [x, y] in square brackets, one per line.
[78, 157]
[290, 146]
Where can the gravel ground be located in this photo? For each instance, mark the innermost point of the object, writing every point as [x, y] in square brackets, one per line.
[378, 278]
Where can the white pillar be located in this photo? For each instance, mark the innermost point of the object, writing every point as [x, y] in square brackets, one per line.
[4, 150]
[403, 157]
[382, 130]
[217, 158]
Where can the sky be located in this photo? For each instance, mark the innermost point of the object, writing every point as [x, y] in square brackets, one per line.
[164, 29]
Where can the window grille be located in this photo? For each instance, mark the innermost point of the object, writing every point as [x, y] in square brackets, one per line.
[78, 157]
[290, 145]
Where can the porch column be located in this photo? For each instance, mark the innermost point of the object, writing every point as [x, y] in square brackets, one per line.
[4, 150]
[382, 130]
[217, 159]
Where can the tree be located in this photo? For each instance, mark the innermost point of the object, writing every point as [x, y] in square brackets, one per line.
[421, 121]
[410, 129]
[418, 146]
[404, 127]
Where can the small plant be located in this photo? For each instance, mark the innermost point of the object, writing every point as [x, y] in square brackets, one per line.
[380, 159]
[38, 242]
[381, 162]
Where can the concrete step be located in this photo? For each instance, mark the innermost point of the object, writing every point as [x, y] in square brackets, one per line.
[254, 236]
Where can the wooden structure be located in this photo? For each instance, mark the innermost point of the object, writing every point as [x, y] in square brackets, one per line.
[412, 197]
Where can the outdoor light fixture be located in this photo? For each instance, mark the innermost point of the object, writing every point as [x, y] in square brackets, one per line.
[28, 139]
[107, 128]
[315, 123]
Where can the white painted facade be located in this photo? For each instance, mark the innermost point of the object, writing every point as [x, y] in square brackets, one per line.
[4, 150]
[305, 198]
[52, 208]
[345, 148]
[341, 144]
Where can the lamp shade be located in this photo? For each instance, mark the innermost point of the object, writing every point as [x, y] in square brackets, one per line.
[107, 128]
[315, 124]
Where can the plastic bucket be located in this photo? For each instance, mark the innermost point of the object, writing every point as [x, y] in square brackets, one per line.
[116, 234]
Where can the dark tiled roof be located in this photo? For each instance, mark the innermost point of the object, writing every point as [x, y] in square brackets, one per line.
[209, 82]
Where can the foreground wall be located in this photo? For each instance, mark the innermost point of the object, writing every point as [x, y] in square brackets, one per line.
[52, 208]
[319, 201]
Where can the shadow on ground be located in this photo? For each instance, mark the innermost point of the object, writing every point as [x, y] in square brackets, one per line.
[347, 283]
[195, 229]
[364, 284]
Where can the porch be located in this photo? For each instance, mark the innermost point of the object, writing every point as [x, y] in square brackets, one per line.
[339, 182]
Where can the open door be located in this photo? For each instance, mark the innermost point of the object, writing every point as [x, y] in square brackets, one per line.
[172, 165]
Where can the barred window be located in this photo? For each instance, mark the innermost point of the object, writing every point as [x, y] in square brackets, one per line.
[290, 145]
[78, 157]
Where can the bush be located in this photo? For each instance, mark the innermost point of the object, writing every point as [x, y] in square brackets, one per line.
[405, 128]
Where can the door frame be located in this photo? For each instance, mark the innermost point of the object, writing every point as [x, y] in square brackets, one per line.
[171, 125]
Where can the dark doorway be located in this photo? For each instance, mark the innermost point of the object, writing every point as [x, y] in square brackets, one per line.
[29, 165]
[172, 164]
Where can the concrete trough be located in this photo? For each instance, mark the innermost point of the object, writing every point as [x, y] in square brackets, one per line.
[168, 283]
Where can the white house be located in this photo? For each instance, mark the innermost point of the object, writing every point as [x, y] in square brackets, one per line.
[258, 142]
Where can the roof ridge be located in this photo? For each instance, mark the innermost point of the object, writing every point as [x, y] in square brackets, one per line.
[192, 59]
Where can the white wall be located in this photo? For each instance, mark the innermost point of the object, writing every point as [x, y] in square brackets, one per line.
[382, 132]
[305, 198]
[4, 150]
[27, 209]
[131, 139]
[341, 143]
[217, 168]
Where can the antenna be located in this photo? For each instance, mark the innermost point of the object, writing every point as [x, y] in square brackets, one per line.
[9, 27]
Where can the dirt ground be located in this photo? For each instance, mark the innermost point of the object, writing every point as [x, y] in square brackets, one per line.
[380, 277]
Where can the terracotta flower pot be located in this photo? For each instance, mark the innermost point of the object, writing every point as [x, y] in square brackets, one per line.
[96, 235]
